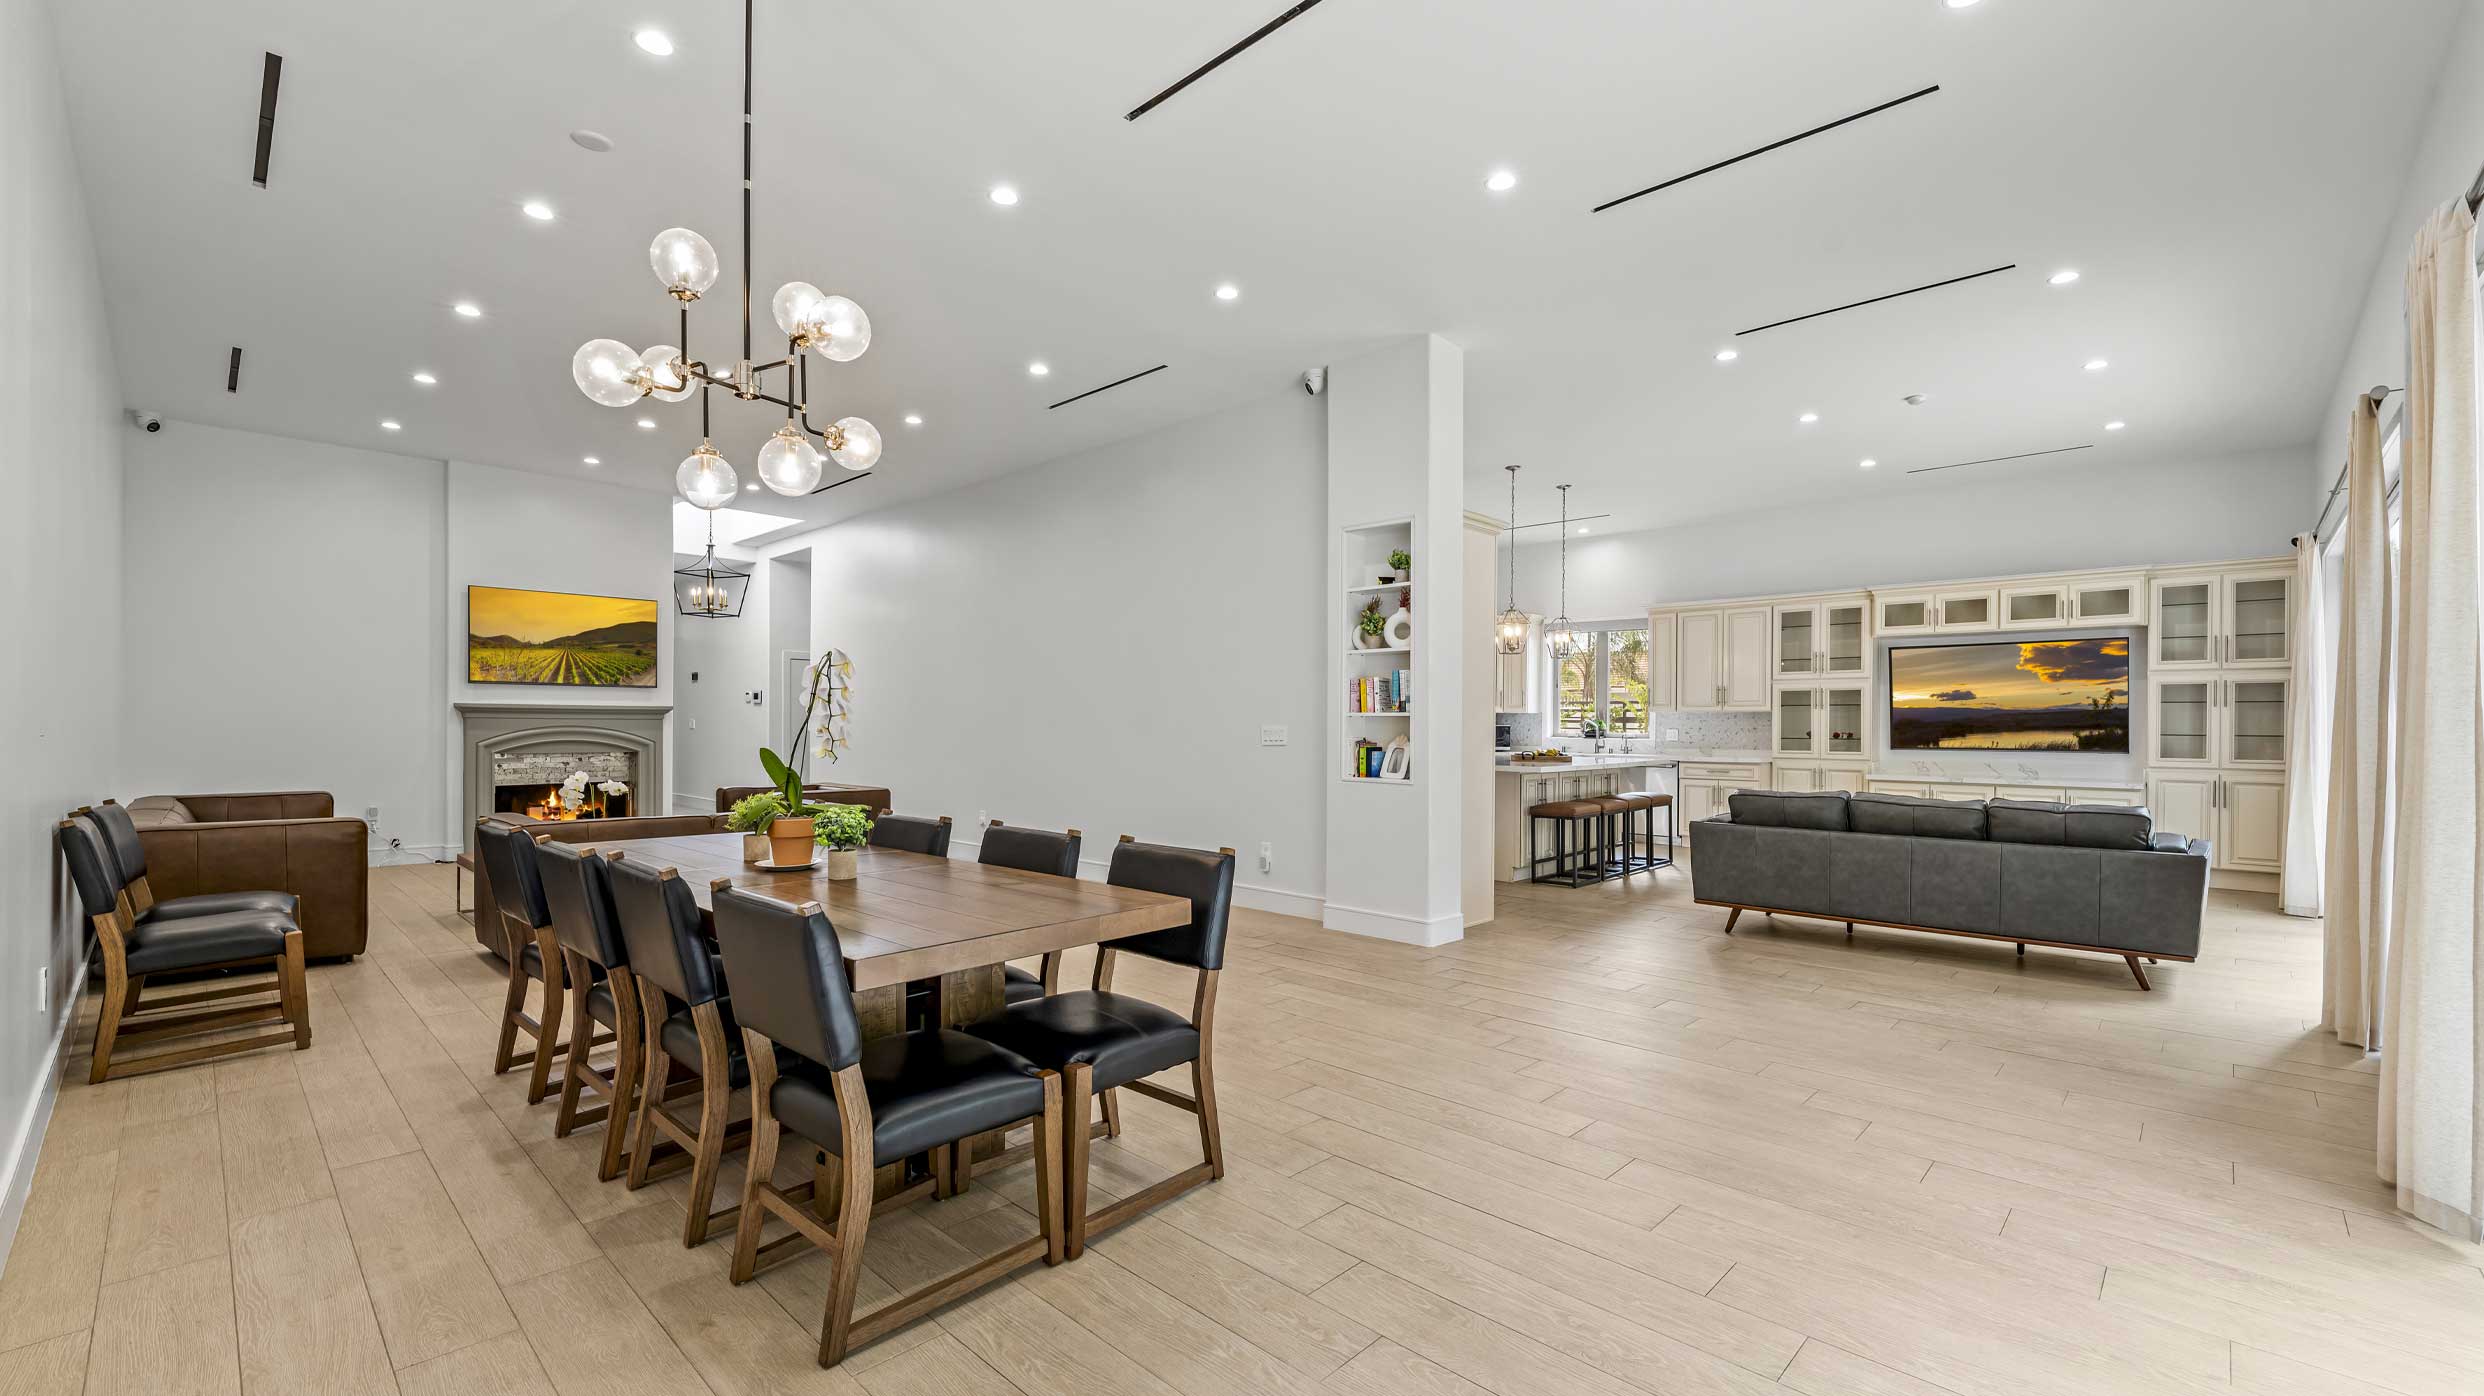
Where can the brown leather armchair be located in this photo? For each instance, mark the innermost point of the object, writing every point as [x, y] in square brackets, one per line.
[281, 841]
[487, 920]
[871, 797]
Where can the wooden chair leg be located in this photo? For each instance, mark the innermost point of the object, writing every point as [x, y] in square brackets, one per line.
[659, 1077]
[548, 1029]
[853, 1218]
[1112, 1114]
[511, 1006]
[761, 1166]
[715, 1105]
[943, 1171]
[108, 1027]
[628, 1054]
[1203, 1089]
[1077, 1089]
[574, 1065]
[1048, 1139]
[294, 987]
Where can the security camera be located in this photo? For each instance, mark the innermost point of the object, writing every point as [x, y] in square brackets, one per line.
[1315, 381]
[149, 420]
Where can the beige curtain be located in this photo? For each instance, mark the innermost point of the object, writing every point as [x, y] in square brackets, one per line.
[2432, 1096]
[2356, 899]
[2307, 738]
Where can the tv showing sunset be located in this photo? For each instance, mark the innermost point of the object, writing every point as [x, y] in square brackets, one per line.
[2043, 695]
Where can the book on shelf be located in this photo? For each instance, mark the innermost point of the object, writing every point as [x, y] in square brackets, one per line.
[1389, 693]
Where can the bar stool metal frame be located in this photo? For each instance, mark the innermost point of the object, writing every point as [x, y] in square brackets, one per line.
[1566, 814]
[1645, 802]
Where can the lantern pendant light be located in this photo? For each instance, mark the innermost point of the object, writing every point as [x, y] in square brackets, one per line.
[1566, 640]
[711, 586]
[1510, 632]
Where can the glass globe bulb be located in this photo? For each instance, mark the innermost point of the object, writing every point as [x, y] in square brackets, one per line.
[684, 262]
[861, 450]
[663, 365]
[705, 479]
[789, 464]
[844, 331]
[607, 371]
[798, 306]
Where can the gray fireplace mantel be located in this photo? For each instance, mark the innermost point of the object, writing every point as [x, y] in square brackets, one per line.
[492, 728]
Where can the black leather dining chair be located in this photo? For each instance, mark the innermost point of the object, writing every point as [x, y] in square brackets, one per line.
[867, 1103]
[1038, 851]
[577, 891]
[507, 856]
[127, 854]
[1101, 1041]
[910, 833]
[674, 963]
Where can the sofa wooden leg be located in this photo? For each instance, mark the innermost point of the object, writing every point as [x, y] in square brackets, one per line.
[1730, 918]
[2136, 972]
[2022, 950]
[1850, 930]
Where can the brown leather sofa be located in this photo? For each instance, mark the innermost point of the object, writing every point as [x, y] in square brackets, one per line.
[275, 841]
[487, 921]
[871, 797]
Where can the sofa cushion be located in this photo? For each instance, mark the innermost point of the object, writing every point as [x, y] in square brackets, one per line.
[2108, 826]
[156, 811]
[2025, 821]
[1913, 814]
[1790, 809]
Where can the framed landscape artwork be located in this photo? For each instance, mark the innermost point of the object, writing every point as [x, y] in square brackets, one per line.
[557, 637]
[2045, 695]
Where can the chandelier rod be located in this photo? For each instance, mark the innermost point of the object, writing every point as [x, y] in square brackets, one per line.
[747, 23]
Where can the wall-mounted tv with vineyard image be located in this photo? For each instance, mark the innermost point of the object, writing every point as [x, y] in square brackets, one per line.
[556, 637]
[2031, 695]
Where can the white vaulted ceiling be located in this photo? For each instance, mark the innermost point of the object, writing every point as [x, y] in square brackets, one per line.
[2217, 170]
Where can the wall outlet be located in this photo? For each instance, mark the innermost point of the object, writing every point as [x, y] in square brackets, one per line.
[370, 816]
[1267, 857]
[694, 724]
[1272, 734]
[1673, 734]
[983, 819]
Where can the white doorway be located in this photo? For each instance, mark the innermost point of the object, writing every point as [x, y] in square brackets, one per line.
[789, 644]
[793, 672]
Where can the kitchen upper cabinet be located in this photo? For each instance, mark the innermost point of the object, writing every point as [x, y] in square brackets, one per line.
[2106, 600]
[1722, 659]
[1823, 639]
[1664, 664]
[2224, 620]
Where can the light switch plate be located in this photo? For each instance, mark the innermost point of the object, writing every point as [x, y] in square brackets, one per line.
[1673, 734]
[1272, 734]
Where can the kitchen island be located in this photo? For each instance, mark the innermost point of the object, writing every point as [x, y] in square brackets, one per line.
[1520, 786]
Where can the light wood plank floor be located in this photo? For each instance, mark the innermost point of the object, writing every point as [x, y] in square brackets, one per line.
[1598, 1147]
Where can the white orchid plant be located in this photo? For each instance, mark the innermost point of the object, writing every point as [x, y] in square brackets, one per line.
[827, 704]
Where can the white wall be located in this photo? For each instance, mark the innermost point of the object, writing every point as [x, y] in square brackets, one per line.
[60, 566]
[1095, 643]
[716, 733]
[285, 594]
[2445, 156]
[2138, 514]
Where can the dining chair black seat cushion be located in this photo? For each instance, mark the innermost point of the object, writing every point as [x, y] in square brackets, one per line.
[679, 1036]
[158, 947]
[283, 904]
[1018, 986]
[1120, 1037]
[926, 1088]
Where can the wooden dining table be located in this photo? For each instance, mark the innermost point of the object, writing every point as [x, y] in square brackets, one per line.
[919, 922]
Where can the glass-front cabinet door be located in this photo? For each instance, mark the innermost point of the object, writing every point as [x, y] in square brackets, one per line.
[2107, 599]
[1798, 640]
[1798, 720]
[2185, 632]
[1845, 639]
[2255, 722]
[1839, 719]
[1968, 610]
[2034, 607]
[2257, 618]
[1906, 615]
[2182, 722]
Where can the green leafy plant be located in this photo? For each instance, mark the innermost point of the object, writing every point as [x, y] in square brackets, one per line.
[1401, 559]
[842, 826]
[787, 780]
[753, 814]
[1371, 622]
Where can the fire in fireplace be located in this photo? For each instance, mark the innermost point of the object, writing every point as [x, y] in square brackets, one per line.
[550, 802]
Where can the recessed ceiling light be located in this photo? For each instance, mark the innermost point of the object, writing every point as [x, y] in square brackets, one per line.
[536, 209]
[1868, 462]
[593, 460]
[1582, 528]
[468, 309]
[2096, 365]
[1228, 292]
[2115, 426]
[1808, 418]
[1726, 356]
[646, 424]
[2062, 277]
[1959, 4]
[1006, 195]
[1038, 369]
[913, 419]
[423, 376]
[391, 424]
[595, 141]
[751, 488]
[1501, 181]
[654, 41]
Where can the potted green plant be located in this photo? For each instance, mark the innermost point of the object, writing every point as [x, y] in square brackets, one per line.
[1369, 625]
[751, 817]
[842, 830]
[1401, 562]
[793, 826]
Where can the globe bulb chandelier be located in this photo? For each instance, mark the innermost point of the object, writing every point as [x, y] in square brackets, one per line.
[1509, 633]
[613, 374]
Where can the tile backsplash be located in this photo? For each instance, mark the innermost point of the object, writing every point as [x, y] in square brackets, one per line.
[1733, 731]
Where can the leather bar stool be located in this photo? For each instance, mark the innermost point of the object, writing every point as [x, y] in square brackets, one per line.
[578, 890]
[867, 1103]
[1636, 815]
[1583, 818]
[508, 863]
[1031, 850]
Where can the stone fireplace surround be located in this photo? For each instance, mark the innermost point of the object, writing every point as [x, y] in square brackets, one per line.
[502, 731]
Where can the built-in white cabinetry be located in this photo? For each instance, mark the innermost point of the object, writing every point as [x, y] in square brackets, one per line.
[1970, 610]
[1826, 720]
[1937, 612]
[1830, 638]
[1664, 664]
[1910, 614]
[1518, 679]
[2241, 813]
[1817, 776]
[1516, 835]
[1705, 785]
[2035, 606]
[2223, 620]
[2108, 600]
[1721, 657]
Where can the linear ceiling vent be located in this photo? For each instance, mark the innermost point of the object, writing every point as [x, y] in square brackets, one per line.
[1996, 460]
[1091, 392]
[1218, 61]
[1875, 300]
[269, 76]
[1763, 150]
[232, 371]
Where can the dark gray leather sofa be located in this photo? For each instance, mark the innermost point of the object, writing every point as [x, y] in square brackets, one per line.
[2075, 877]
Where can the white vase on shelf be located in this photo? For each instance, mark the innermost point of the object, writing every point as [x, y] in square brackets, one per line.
[1400, 630]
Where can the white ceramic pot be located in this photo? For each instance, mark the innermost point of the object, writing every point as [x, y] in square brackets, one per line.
[754, 847]
[844, 864]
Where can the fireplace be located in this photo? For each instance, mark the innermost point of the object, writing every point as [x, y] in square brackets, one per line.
[524, 759]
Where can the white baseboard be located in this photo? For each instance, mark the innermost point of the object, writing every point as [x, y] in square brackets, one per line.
[1389, 925]
[18, 1181]
[408, 854]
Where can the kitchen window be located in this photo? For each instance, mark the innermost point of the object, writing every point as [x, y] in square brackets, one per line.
[1606, 682]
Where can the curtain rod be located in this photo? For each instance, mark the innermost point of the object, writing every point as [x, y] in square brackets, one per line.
[2376, 395]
